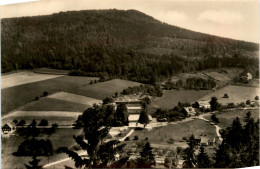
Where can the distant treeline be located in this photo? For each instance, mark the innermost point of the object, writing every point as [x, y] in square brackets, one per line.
[191, 83]
[144, 89]
[112, 42]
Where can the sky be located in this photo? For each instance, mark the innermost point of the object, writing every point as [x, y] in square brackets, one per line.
[236, 19]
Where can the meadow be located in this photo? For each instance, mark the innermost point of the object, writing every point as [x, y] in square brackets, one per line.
[237, 94]
[74, 98]
[171, 98]
[49, 104]
[24, 77]
[226, 118]
[160, 135]
[60, 117]
[17, 96]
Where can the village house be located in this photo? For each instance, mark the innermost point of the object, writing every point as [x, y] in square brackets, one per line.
[204, 141]
[190, 111]
[204, 104]
[8, 128]
[134, 108]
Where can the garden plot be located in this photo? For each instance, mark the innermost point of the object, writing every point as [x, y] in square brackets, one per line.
[23, 78]
[75, 98]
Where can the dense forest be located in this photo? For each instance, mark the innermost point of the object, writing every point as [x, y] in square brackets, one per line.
[116, 43]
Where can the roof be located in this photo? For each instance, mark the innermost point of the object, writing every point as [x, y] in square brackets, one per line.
[134, 108]
[133, 117]
[204, 139]
[190, 110]
[203, 102]
[8, 124]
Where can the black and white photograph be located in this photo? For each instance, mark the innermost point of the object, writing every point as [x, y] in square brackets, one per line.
[129, 84]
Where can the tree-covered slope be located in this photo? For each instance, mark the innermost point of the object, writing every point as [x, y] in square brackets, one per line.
[94, 41]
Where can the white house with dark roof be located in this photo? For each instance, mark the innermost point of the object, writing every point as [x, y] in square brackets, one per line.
[204, 104]
[8, 128]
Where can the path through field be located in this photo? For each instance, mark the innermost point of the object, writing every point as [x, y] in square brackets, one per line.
[217, 127]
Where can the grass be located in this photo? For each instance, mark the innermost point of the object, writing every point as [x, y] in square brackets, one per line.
[159, 136]
[62, 137]
[226, 118]
[49, 104]
[61, 117]
[23, 78]
[69, 97]
[237, 94]
[17, 96]
[171, 98]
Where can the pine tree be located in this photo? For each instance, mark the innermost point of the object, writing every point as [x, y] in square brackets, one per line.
[248, 116]
[121, 115]
[146, 159]
[203, 160]
[188, 155]
[214, 103]
[144, 118]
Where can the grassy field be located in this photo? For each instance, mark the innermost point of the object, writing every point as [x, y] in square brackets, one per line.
[49, 104]
[25, 77]
[160, 136]
[17, 96]
[10, 145]
[74, 98]
[61, 116]
[226, 118]
[237, 94]
[171, 98]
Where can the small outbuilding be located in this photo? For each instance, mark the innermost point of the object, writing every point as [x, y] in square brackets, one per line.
[8, 128]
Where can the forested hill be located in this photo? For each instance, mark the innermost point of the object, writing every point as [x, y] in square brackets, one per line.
[94, 40]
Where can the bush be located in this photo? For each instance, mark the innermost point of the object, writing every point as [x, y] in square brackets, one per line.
[43, 122]
[248, 102]
[107, 100]
[36, 98]
[136, 138]
[184, 138]
[15, 121]
[44, 94]
[171, 141]
[257, 98]
[127, 139]
[21, 123]
[225, 95]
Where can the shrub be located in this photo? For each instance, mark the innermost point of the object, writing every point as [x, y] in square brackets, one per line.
[127, 139]
[21, 123]
[225, 95]
[257, 98]
[36, 98]
[15, 121]
[43, 122]
[45, 93]
[136, 138]
[184, 138]
[248, 102]
[171, 141]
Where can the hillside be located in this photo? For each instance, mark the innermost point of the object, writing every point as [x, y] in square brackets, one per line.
[126, 44]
